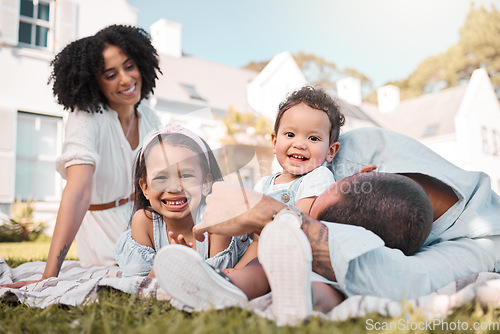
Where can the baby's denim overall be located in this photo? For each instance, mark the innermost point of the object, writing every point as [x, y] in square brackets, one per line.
[285, 196]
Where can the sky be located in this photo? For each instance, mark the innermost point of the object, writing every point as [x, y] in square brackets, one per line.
[383, 39]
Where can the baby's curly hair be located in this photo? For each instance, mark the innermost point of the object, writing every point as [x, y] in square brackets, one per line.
[315, 98]
[76, 67]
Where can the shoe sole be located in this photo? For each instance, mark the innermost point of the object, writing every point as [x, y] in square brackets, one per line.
[184, 275]
[285, 253]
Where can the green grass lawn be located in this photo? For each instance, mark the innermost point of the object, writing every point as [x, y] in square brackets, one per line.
[16, 253]
[117, 312]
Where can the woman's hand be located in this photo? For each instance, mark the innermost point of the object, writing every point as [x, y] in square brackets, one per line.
[20, 284]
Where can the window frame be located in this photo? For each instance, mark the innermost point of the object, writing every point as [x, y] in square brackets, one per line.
[47, 158]
[36, 22]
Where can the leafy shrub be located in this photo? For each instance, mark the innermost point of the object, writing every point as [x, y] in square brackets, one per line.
[21, 226]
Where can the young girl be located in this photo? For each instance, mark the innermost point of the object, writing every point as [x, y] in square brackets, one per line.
[174, 173]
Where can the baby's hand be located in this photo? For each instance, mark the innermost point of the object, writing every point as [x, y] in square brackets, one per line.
[369, 168]
[179, 240]
[227, 270]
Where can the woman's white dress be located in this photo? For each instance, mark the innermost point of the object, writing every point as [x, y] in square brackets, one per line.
[98, 139]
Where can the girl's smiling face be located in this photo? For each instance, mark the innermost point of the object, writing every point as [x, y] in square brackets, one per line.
[175, 182]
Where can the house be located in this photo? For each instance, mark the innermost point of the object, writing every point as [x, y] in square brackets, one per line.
[197, 93]
[31, 127]
[281, 76]
[461, 123]
[352, 106]
[192, 91]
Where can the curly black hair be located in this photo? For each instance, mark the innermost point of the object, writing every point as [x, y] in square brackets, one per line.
[315, 98]
[75, 69]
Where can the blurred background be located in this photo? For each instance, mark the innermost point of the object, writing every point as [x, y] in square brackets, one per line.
[428, 69]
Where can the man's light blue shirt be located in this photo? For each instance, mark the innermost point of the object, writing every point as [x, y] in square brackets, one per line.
[464, 240]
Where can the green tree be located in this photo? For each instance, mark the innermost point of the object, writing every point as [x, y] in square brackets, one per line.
[318, 71]
[239, 123]
[256, 66]
[478, 47]
[480, 43]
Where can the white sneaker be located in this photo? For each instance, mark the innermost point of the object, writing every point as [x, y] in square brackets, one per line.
[184, 275]
[286, 255]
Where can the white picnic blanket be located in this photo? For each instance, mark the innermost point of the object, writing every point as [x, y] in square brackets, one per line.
[78, 285]
[75, 284]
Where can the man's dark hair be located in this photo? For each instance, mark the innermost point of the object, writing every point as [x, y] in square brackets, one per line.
[315, 98]
[75, 69]
[390, 205]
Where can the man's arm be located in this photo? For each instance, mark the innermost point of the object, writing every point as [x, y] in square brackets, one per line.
[317, 233]
[234, 210]
[363, 267]
[227, 214]
[351, 255]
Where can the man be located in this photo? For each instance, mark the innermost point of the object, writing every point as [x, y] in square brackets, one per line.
[465, 235]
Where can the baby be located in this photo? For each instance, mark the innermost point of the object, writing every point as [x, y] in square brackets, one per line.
[305, 136]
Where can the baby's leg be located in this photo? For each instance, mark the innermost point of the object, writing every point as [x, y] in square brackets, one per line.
[325, 297]
[251, 279]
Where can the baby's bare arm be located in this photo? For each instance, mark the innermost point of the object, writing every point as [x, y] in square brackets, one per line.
[304, 204]
[218, 243]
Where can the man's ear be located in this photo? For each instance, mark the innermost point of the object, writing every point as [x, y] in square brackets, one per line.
[273, 139]
[207, 184]
[144, 188]
[332, 151]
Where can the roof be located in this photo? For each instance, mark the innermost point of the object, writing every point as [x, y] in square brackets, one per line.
[197, 83]
[425, 116]
[352, 111]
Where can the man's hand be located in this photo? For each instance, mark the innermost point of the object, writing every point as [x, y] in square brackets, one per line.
[234, 210]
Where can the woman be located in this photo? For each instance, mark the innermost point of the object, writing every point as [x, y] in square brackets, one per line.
[102, 80]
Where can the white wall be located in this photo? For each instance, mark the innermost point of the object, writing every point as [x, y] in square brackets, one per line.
[272, 85]
[447, 147]
[25, 71]
[349, 90]
[479, 109]
[97, 14]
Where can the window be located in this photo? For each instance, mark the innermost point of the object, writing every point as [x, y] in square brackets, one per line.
[485, 141]
[495, 142]
[490, 141]
[431, 130]
[39, 139]
[192, 92]
[35, 22]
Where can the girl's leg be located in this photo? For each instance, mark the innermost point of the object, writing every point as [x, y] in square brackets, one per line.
[251, 279]
[325, 297]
